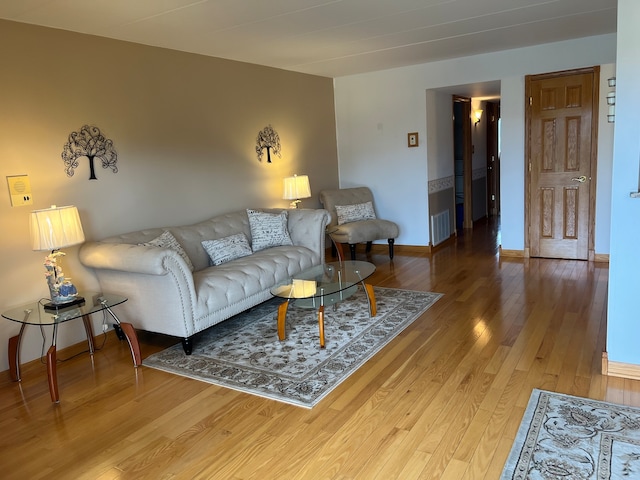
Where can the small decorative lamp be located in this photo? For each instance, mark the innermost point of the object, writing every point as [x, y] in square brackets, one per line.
[52, 229]
[295, 188]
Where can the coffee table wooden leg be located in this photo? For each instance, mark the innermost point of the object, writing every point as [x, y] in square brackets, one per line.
[132, 340]
[52, 374]
[373, 309]
[282, 316]
[321, 325]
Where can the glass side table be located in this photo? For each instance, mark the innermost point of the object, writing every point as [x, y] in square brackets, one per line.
[35, 314]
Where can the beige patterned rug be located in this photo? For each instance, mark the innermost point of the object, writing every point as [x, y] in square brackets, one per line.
[244, 353]
[573, 438]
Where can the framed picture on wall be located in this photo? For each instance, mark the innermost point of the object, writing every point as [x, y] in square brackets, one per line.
[412, 139]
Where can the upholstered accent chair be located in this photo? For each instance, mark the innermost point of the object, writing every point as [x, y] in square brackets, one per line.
[353, 219]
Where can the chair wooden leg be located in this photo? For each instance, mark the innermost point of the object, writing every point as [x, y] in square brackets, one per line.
[352, 247]
[391, 241]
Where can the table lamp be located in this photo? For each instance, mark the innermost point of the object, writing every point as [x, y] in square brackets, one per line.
[295, 188]
[52, 229]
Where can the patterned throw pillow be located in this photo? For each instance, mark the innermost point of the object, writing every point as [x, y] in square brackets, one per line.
[229, 248]
[167, 240]
[354, 213]
[268, 229]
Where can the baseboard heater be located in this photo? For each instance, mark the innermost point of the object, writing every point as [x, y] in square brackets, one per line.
[440, 227]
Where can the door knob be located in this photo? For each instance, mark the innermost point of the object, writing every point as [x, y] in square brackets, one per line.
[580, 179]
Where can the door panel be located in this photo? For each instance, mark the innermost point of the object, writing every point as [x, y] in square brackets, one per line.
[560, 164]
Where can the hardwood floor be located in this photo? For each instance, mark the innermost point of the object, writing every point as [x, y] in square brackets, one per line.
[443, 400]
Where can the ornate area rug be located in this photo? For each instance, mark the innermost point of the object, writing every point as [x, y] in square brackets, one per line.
[573, 438]
[244, 353]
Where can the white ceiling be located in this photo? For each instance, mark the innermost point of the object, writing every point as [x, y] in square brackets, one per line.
[330, 38]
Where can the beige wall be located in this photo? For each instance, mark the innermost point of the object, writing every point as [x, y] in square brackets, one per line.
[184, 127]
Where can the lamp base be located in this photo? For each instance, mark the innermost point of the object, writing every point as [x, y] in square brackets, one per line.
[50, 306]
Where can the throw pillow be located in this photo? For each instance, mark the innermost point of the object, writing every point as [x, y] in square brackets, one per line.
[167, 240]
[268, 229]
[354, 213]
[229, 248]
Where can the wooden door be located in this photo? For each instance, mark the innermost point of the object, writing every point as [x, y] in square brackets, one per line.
[561, 124]
[493, 159]
[462, 158]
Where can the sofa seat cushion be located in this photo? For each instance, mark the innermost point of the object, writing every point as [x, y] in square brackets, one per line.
[229, 283]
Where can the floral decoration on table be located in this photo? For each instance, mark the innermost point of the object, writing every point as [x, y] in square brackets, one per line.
[61, 289]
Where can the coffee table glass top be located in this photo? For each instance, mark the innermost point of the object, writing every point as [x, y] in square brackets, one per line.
[34, 313]
[324, 280]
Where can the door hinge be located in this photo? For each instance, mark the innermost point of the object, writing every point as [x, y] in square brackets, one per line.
[529, 166]
[530, 101]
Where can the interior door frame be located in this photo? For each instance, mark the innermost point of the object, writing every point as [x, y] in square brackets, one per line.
[595, 70]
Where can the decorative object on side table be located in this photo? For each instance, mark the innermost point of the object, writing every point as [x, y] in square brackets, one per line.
[295, 188]
[52, 229]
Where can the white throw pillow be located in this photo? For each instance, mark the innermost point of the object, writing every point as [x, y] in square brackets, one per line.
[268, 229]
[223, 250]
[167, 240]
[354, 213]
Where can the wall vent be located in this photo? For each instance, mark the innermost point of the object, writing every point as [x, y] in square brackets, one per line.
[440, 227]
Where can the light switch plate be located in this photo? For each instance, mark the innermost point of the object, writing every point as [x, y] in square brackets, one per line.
[19, 190]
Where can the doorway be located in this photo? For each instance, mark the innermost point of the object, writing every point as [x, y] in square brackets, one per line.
[561, 145]
[493, 159]
[462, 150]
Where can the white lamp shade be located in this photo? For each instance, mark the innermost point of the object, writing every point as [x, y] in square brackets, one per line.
[55, 228]
[296, 187]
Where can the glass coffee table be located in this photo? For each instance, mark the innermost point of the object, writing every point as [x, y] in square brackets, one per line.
[322, 285]
[35, 313]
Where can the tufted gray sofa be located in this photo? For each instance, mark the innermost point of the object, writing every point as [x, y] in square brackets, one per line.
[165, 296]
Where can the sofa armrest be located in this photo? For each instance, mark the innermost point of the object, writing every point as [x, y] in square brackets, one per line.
[131, 258]
[307, 229]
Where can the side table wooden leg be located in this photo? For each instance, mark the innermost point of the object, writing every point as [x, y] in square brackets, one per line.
[321, 324]
[373, 309]
[282, 316]
[52, 374]
[88, 327]
[132, 340]
[14, 355]
[130, 334]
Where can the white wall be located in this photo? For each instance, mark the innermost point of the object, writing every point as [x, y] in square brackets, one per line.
[375, 111]
[623, 331]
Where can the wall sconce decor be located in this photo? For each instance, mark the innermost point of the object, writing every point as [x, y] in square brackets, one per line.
[611, 101]
[268, 138]
[52, 229]
[295, 188]
[477, 114]
[90, 143]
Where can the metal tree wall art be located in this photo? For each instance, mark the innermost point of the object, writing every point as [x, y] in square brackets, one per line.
[268, 138]
[90, 143]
